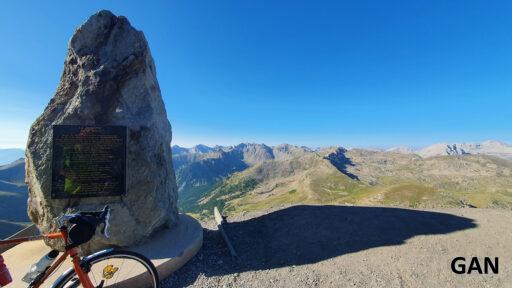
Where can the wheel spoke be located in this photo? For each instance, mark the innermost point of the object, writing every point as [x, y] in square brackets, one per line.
[120, 267]
[94, 277]
[129, 271]
[128, 263]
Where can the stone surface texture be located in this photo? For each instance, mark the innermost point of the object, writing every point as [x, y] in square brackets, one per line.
[109, 78]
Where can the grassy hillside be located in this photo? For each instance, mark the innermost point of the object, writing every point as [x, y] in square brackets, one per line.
[199, 173]
[13, 198]
[13, 172]
[13, 202]
[9, 155]
[362, 177]
[252, 177]
[9, 228]
[201, 169]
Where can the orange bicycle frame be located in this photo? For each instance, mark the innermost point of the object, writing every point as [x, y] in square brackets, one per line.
[72, 253]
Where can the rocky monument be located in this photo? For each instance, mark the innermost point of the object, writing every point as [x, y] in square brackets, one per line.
[109, 79]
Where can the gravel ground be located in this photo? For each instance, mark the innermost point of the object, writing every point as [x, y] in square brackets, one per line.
[340, 246]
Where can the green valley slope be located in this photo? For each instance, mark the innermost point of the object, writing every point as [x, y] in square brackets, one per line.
[13, 198]
[201, 169]
[364, 177]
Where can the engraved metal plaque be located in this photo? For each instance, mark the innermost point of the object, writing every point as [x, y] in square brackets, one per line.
[88, 161]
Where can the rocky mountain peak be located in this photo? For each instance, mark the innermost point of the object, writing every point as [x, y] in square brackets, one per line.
[201, 148]
[177, 150]
[490, 147]
[255, 153]
[287, 151]
[494, 143]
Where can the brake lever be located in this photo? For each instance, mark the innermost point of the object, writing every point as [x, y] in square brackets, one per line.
[106, 219]
[61, 220]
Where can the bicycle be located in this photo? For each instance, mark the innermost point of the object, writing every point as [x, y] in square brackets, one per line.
[98, 270]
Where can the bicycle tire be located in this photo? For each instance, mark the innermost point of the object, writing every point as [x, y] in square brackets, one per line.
[69, 277]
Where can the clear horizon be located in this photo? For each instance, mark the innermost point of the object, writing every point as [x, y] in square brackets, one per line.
[416, 148]
[322, 73]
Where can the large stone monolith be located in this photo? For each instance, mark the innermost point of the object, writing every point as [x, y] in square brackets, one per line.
[109, 78]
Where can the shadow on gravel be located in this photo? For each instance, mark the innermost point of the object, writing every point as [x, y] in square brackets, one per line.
[302, 235]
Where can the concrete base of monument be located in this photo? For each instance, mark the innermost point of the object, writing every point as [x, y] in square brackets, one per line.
[168, 249]
[172, 248]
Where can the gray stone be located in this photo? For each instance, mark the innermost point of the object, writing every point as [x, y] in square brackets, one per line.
[109, 78]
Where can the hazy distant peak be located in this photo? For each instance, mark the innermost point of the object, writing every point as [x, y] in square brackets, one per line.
[201, 148]
[331, 149]
[290, 147]
[222, 148]
[247, 145]
[252, 153]
[401, 150]
[176, 150]
[441, 149]
[13, 172]
[10, 155]
[494, 143]
[287, 151]
[255, 153]
[19, 162]
[284, 147]
[489, 147]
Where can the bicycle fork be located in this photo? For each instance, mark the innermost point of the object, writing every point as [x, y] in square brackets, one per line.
[82, 275]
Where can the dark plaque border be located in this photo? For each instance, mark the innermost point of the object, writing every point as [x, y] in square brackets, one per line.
[58, 160]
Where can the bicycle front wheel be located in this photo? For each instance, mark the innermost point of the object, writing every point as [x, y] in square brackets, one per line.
[114, 268]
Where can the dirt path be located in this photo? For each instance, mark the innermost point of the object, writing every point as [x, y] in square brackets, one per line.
[339, 246]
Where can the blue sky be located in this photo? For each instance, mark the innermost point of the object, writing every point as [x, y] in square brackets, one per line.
[317, 73]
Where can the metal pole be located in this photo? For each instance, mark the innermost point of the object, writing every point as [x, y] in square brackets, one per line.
[221, 225]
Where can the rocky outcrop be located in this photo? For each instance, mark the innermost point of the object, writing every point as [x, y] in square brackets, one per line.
[492, 148]
[442, 149]
[287, 151]
[254, 153]
[109, 78]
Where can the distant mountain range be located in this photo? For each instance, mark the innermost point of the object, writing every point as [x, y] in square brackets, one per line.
[251, 177]
[492, 148]
[200, 168]
[13, 198]
[9, 155]
[14, 172]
